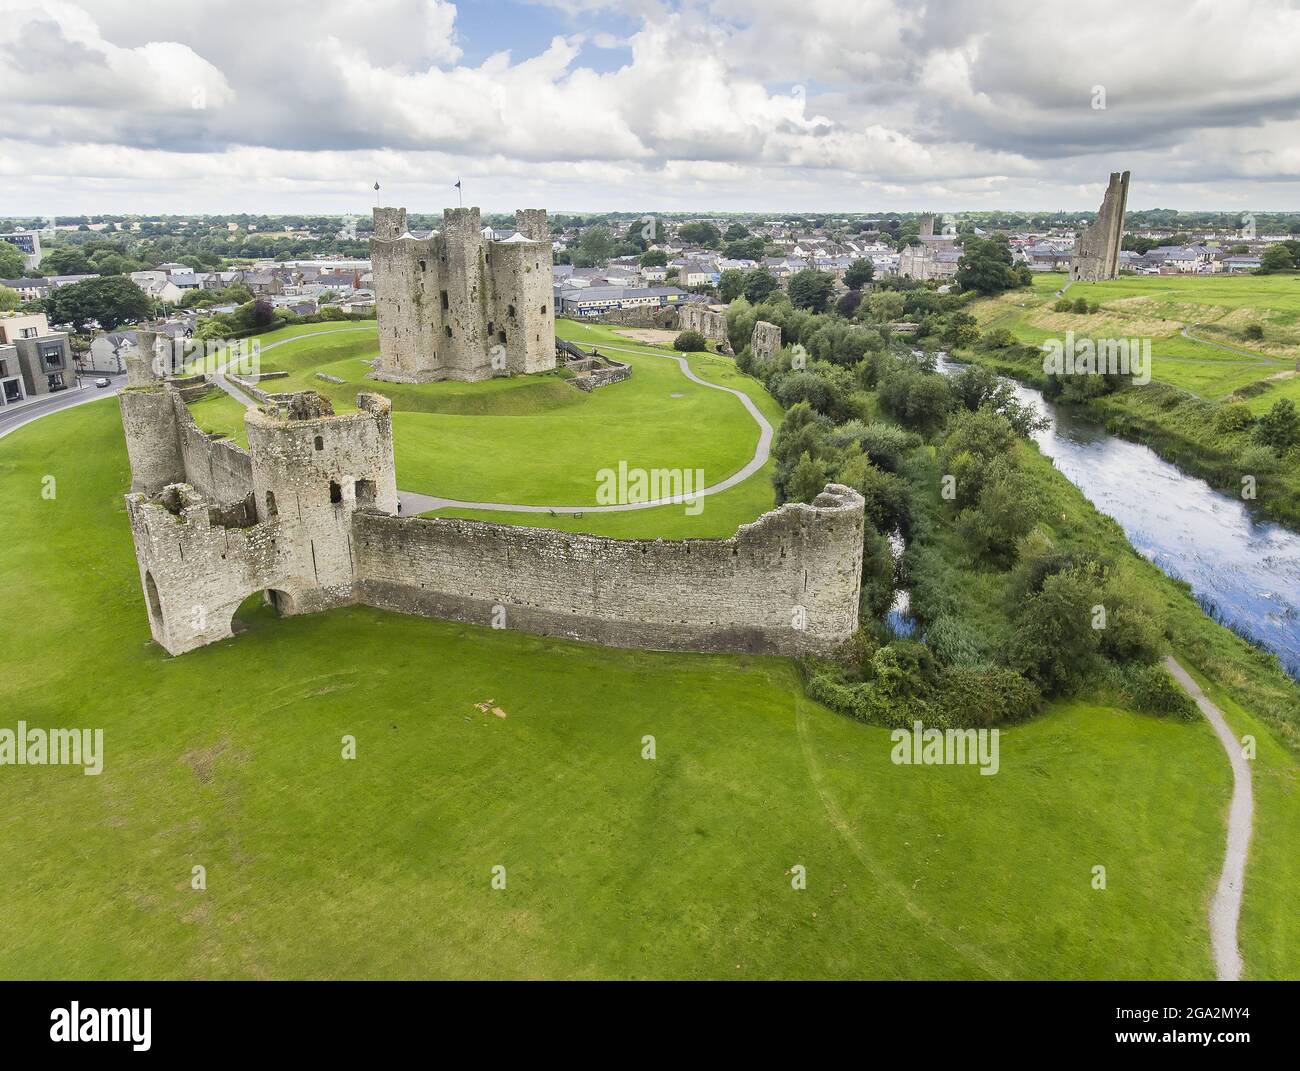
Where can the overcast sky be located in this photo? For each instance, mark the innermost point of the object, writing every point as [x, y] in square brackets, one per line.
[854, 105]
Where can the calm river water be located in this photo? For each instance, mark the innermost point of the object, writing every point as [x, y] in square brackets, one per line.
[1244, 571]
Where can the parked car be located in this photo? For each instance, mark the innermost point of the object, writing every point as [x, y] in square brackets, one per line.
[101, 382]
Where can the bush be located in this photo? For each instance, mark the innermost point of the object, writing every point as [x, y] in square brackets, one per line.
[954, 642]
[1233, 417]
[1151, 690]
[976, 697]
[1279, 427]
[1254, 332]
[690, 342]
[1054, 643]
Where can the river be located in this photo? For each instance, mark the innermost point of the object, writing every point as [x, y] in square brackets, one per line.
[1244, 572]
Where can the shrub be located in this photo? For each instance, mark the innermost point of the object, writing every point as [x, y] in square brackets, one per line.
[975, 697]
[954, 642]
[1054, 642]
[1081, 306]
[1233, 417]
[689, 342]
[1279, 427]
[1254, 332]
[1151, 690]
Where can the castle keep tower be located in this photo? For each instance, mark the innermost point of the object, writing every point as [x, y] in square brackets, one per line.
[1096, 251]
[455, 305]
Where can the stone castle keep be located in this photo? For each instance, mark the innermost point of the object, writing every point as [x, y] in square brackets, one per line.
[1096, 251]
[456, 305]
[308, 516]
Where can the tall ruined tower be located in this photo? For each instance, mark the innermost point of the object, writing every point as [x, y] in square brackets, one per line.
[454, 305]
[1096, 251]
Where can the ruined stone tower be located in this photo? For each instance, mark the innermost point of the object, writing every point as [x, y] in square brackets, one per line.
[454, 305]
[213, 524]
[1096, 251]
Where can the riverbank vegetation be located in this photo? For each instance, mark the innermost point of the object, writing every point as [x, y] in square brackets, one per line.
[1224, 386]
[1020, 590]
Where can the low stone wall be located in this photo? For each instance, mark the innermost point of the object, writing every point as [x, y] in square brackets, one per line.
[785, 584]
[249, 385]
[666, 318]
[189, 387]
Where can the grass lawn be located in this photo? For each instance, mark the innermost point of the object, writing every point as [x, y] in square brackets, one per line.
[537, 440]
[617, 867]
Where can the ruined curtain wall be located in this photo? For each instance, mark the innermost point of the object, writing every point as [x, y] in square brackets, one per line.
[218, 469]
[786, 584]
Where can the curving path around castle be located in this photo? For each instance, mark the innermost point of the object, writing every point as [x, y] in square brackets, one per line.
[413, 502]
[1225, 908]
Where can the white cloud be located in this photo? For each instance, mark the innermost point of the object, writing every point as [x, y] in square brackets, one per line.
[748, 102]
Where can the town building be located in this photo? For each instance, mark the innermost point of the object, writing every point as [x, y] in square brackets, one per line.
[34, 359]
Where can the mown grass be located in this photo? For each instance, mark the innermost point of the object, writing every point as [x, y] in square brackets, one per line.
[537, 440]
[617, 867]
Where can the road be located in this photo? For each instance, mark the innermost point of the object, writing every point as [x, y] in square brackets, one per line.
[14, 417]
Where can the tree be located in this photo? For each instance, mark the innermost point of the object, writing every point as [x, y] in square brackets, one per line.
[848, 304]
[690, 342]
[654, 258]
[110, 301]
[66, 260]
[885, 306]
[9, 299]
[807, 481]
[11, 261]
[759, 284]
[700, 233]
[737, 232]
[1054, 641]
[810, 289]
[746, 249]
[1276, 258]
[985, 266]
[594, 247]
[859, 273]
[731, 284]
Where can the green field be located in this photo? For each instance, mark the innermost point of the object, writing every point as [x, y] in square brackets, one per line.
[617, 867]
[1214, 310]
[537, 440]
[1179, 414]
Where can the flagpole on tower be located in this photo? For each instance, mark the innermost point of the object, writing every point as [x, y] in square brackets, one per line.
[460, 194]
[376, 194]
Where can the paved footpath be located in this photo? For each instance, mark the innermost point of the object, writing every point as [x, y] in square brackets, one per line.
[1225, 908]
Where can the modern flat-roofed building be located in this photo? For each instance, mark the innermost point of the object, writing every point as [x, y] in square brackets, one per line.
[43, 358]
